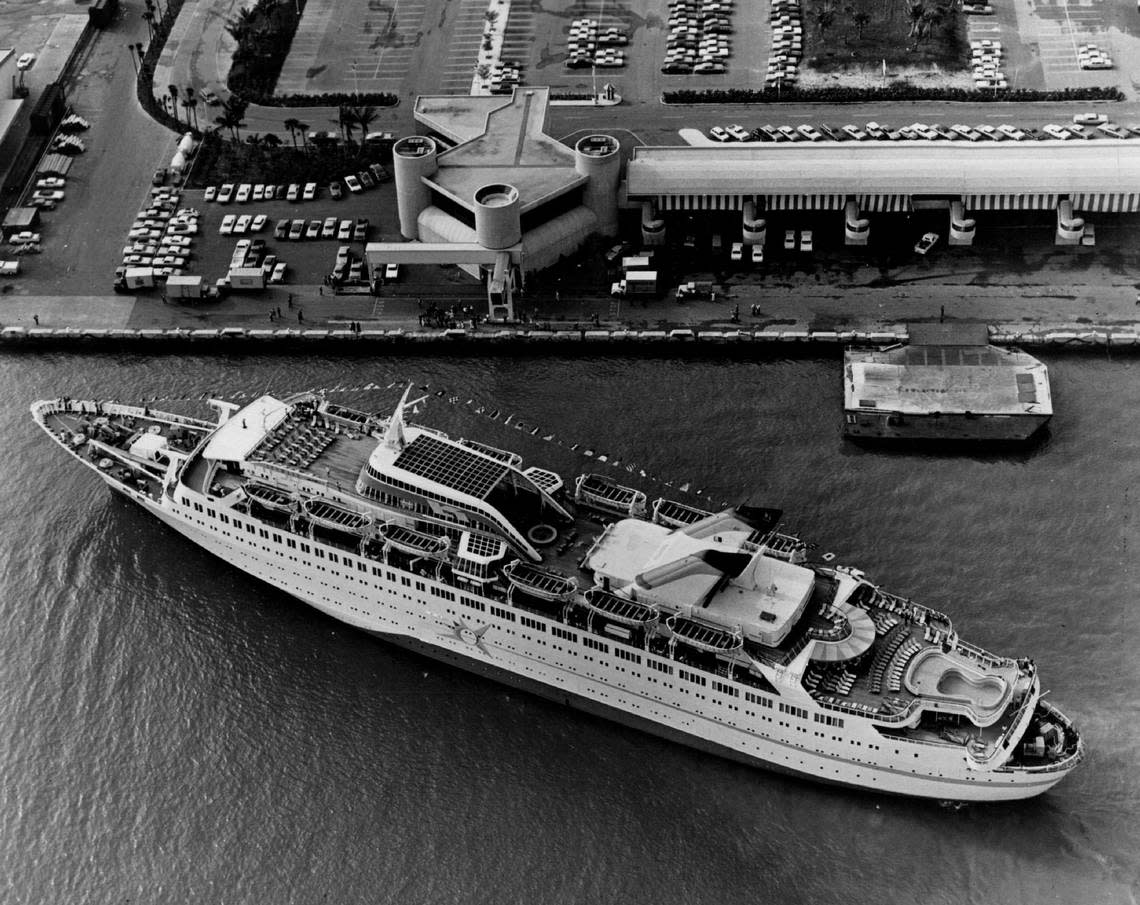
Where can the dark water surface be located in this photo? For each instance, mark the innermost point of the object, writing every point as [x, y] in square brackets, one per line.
[173, 731]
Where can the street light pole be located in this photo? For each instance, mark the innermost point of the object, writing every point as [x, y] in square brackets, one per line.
[134, 62]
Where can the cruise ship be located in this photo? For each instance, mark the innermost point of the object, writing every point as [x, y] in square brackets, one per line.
[713, 629]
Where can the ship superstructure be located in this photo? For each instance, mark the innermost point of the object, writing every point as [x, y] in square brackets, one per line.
[710, 628]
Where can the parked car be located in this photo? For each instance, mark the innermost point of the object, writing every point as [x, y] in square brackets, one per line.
[259, 192]
[313, 230]
[227, 226]
[211, 193]
[855, 132]
[281, 230]
[328, 229]
[278, 275]
[353, 184]
[258, 223]
[811, 133]
[1058, 132]
[361, 230]
[757, 254]
[739, 132]
[296, 229]
[1012, 132]
[1112, 129]
[1090, 119]
[737, 252]
[310, 192]
[47, 195]
[243, 193]
[344, 231]
[807, 241]
[391, 271]
[335, 190]
[25, 60]
[926, 243]
[719, 133]
[242, 225]
[789, 240]
[293, 193]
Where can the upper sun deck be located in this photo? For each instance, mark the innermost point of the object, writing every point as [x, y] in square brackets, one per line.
[722, 578]
[439, 465]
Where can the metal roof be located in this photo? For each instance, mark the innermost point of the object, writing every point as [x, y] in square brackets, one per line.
[913, 168]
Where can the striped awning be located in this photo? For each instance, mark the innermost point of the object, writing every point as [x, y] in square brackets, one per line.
[1035, 201]
[884, 204]
[805, 202]
[701, 202]
[1106, 202]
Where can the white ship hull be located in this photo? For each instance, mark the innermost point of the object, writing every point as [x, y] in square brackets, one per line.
[622, 691]
[787, 732]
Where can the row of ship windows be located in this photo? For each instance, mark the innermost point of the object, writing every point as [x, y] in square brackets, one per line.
[621, 653]
[600, 646]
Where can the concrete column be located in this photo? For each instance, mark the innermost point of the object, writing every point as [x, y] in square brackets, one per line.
[413, 157]
[497, 216]
[598, 158]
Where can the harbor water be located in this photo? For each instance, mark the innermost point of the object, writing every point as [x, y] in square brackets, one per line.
[173, 731]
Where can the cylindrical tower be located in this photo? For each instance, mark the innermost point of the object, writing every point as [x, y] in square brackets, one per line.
[413, 157]
[597, 157]
[497, 219]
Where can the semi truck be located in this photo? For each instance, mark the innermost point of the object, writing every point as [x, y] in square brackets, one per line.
[636, 282]
[695, 289]
[131, 279]
[186, 287]
[246, 278]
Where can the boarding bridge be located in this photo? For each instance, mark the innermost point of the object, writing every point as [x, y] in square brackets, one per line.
[496, 267]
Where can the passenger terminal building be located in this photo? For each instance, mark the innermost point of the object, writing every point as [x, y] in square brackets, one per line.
[483, 186]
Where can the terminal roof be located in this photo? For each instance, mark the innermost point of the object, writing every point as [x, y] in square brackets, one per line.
[906, 168]
[500, 140]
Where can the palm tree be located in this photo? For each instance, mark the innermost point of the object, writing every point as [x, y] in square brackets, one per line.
[231, 117]
[271, 141]
[861, 20]
[175, 97]
[345, 121]
[303, 128]
[293, 126]
[364, 117]
[190, 105]
[148, 16]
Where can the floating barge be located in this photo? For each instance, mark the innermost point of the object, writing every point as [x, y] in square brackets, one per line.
[948, 383]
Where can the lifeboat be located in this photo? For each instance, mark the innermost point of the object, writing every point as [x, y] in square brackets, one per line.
[620, 609]
[269, 497]
[414, 543]
[703, 636]
[330, 515]
[599, 492]
[546, 584]
[672, 514]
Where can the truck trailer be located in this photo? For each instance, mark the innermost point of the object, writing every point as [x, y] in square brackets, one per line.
[636, 282]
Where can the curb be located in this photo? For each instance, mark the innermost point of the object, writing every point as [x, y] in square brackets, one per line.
[824, 339]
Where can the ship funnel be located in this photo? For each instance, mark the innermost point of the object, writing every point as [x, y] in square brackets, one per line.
[704, 562]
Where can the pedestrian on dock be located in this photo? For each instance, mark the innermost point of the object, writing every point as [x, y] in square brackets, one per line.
[290, 301]
[300, 317]
[36, 318]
